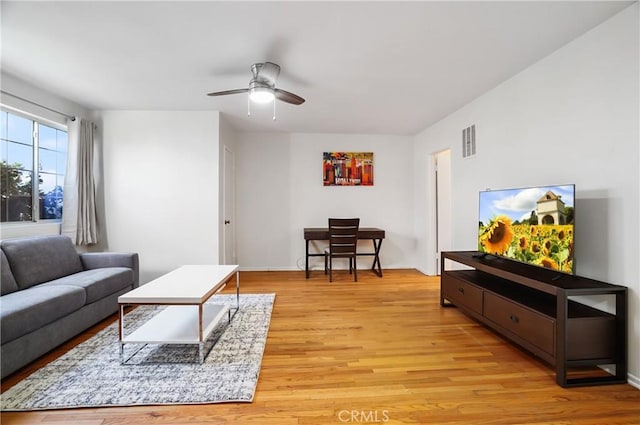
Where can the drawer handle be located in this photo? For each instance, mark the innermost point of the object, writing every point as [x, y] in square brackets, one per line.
[461, 290]
[514, 318]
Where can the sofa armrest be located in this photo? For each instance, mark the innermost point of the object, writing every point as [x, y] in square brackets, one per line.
[96, 260]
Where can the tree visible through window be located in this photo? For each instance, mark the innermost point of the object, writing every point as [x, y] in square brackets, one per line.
[23, 143]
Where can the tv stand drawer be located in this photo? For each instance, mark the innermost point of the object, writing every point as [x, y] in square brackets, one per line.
[460, 292]
[527, 324]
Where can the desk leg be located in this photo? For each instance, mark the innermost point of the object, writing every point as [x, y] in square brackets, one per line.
[377, 243]
[306, 262]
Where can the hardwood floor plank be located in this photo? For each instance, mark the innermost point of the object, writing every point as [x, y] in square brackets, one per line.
[380, 350]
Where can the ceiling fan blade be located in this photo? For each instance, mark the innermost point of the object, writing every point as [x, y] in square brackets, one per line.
[269, 72]
[222, 93]
[285, 96]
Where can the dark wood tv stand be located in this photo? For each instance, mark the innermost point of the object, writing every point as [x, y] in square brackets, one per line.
[530, 306]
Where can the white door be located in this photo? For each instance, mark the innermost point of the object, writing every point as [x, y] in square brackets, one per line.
[443, 204]
[229, 200]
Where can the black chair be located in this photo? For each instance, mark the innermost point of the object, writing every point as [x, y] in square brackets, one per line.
[343, 240]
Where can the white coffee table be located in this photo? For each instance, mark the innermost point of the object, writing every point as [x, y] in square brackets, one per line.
[187, 319]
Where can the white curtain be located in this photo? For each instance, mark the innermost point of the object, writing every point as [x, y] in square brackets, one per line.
[79, 217]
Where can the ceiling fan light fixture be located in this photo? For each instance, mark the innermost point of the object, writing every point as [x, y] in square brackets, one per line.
[261, 95]
[262, 88]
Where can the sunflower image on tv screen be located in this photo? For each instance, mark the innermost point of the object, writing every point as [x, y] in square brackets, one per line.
[532, 225]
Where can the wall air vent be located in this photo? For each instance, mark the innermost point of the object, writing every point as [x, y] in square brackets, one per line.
[469, 141]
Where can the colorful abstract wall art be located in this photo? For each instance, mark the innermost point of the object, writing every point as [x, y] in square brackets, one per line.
[347, 168]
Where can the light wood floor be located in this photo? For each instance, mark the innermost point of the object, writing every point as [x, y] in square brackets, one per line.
[375, 351]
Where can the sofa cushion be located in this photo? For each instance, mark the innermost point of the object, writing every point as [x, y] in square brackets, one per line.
[41, 259]
[7, 281]
[97, 283]
[25, 311]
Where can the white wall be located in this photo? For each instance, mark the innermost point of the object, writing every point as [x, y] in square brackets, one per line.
[571, 118]
[161, 187]
[20, 88]
[280, 192]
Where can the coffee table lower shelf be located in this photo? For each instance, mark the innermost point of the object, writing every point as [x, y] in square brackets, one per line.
[178, 324]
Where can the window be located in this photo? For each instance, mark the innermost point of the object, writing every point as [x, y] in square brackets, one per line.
[25, 142]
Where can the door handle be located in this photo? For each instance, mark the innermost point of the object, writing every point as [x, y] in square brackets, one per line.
[227, 222]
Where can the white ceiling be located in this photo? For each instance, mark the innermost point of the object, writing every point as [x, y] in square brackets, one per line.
[363, 67]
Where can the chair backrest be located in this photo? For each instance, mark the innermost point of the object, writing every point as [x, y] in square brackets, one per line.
[343, 235]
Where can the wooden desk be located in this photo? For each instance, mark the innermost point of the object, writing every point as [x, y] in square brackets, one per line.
[322, 234]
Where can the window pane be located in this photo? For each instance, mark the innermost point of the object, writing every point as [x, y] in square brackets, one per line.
[61, 163]
[62, 140]
[3, 151]
[50, 208]
[22, 185]
[19, 208]
[17, 201]
[19, 129]
[50, 196]
[3, 124]
[20, 156]
[47, 160]
[59, 196]
[46, 137]
[47, 182]
[12, 181]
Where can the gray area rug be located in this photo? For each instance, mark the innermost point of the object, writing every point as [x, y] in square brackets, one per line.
[90, 375]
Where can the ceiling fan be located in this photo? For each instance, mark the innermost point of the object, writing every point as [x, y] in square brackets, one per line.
[262, 87]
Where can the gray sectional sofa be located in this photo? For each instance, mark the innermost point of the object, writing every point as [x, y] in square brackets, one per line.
[50, 293]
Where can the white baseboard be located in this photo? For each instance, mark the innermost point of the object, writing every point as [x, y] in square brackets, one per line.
[633, 380]
[423, 271]
[314, 268]
[270, 269]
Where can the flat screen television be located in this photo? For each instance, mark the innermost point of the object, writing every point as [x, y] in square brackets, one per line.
[533, 225]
